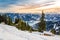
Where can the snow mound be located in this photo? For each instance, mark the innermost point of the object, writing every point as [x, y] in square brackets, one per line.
[11, 33]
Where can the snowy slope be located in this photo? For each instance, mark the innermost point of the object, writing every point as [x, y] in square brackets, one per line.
[12, 33]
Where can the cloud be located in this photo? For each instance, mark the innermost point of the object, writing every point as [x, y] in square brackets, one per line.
[25, 5]
[6, 3]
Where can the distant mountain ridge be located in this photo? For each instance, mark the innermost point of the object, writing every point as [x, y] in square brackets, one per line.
[33, 19]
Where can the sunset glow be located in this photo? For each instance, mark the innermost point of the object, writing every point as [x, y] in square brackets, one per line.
[31, 6]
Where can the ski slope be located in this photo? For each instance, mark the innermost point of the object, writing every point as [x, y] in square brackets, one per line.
[11, 33]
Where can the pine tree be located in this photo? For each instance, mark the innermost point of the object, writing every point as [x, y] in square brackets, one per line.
[8, 20]
[23, 26]
[19, 24]
[29, 28]
[42, 24]
[53, 31]
[0, 18]
[5, 17]
[16, 20]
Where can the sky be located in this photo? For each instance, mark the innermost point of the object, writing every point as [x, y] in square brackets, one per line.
[29, 6]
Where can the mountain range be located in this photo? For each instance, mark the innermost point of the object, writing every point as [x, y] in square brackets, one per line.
[34, 19]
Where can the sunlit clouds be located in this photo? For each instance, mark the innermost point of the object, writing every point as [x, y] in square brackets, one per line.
[31, 6]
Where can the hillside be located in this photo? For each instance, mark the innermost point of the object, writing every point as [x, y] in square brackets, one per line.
[11, 33]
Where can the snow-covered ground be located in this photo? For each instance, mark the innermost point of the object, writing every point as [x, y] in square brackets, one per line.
[11, 33]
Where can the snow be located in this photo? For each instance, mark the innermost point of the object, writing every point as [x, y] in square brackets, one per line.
[57, 28]
[46, 32]
[11, 33]
[32, 22]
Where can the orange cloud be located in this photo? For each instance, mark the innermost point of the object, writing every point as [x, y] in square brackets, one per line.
[37, 8]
